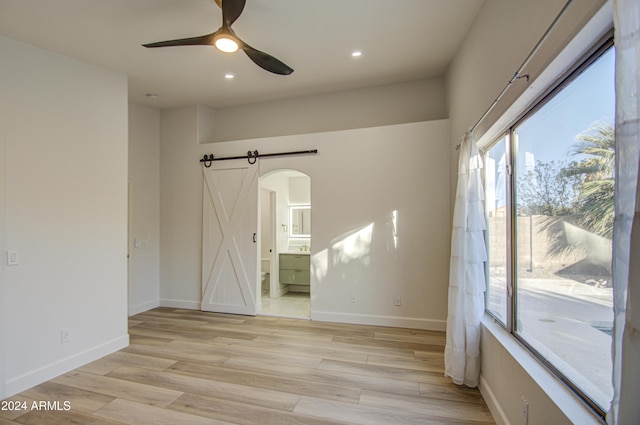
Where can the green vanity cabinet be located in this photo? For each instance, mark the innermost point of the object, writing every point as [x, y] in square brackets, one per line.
[295, 269]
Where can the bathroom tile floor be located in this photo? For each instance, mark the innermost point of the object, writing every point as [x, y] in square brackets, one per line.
[291, 304]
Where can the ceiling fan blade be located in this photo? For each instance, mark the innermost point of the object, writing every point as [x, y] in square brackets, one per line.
[231, 10]
[203, 40]
[265, 61]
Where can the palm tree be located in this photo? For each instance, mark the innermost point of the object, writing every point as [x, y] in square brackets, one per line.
[597, 146]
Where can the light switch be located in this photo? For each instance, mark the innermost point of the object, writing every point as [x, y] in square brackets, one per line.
[12, 258]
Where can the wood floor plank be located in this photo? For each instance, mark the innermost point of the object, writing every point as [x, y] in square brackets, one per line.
[241, 413]
[193, 333]
[13, 413]
[430, 354]
[133, 391]
[298, 350]
[336, 346]
[272, 331]
[370, 342]
[366, 415]
[229, 348]
[325, 376]
[434, 408]
[209, 317]
[178, 351]
[147, 340]
[71, 417]
[131, 413]
[107, 364]
[323, 328]
[81, 400]
[426, 365]
[384, 371]
[415, 338]
[449, 391]
[210, 387]
[279, 383]
[162, 319]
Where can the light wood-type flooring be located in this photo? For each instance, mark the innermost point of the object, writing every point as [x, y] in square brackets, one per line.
[189, 368]
[292, 304]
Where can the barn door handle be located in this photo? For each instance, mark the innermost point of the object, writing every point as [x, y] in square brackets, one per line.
[254, 238]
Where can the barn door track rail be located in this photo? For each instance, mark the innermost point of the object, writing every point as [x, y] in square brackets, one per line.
[252, 156]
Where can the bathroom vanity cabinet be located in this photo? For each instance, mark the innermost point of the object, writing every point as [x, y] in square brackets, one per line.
[295, 269]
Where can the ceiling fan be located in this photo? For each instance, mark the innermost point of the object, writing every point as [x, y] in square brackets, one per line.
[226, 40]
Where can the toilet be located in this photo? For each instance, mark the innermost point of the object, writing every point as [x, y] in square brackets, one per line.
[264, 272]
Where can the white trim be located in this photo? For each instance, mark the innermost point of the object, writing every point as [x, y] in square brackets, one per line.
[376, 320]
[50, 371]
[186, 304]
[557, 392]
[142, 307]
[492, 403]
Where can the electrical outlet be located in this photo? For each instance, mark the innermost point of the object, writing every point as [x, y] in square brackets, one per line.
[353, 298]
[65, 335]
[397, 300]
[12, 258]
[525, 411]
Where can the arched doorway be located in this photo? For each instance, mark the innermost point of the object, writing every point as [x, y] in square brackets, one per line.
[284, 217]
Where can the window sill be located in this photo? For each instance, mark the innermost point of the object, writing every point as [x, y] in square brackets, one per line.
[567, 402]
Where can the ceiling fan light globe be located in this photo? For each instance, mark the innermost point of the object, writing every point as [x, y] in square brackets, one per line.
[225, 43]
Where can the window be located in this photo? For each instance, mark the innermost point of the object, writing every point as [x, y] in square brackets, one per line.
[495, 165]
[549, 204]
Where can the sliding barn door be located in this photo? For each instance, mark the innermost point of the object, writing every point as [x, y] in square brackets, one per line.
[229, 248]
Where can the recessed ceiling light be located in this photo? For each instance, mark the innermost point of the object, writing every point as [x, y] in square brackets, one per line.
[356, 53]
[229, 76]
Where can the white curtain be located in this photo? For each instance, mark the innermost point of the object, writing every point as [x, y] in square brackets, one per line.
[466, 274]
[625, 407]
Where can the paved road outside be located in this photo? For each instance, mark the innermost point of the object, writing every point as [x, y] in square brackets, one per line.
[569, 323]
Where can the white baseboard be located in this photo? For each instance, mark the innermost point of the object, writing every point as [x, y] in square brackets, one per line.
[356, 319]
[50, 371]
[375, 320]
[188, 305]
[142, 307]
[492, 403]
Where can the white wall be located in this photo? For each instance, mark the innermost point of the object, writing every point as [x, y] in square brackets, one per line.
[180, 208]
[299, 190]
[279, 184]
[265, 231]
[144, 208]
[414, 101]
[65, 213]
[358, 179]
[3, 392]
[503, 34]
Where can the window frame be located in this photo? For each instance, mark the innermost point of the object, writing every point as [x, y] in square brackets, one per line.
[598, 49]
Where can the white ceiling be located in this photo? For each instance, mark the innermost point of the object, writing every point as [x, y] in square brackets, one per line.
[401, 40]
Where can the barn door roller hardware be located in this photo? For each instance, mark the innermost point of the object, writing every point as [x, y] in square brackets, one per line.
[252, 156]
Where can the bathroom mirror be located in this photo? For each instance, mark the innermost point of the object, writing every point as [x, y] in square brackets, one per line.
[300, 221]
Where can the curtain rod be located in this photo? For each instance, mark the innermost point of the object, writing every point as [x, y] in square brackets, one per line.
[516, 75]
[252, 156]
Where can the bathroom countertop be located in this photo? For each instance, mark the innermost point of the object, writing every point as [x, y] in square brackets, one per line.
[296, 252]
